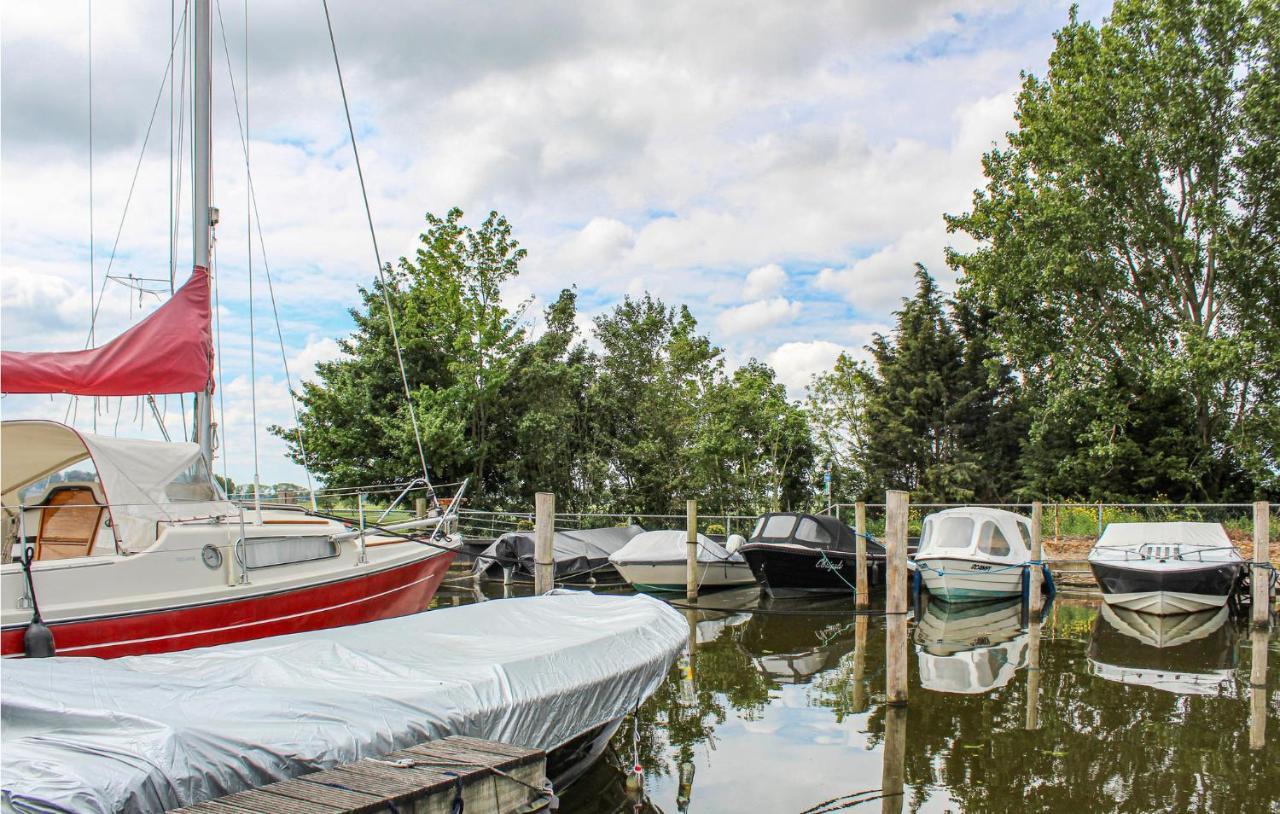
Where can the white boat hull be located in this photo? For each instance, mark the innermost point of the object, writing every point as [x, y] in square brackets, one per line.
[1165, 603]
[956, 580]
[672, 575]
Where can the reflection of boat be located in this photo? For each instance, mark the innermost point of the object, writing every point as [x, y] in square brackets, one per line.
[1165, 568]
[658, 561]
[578, 553]
[1186, 654]
[143, 553]
[792, 647]
[970, 648]
[792, 553]
[973, 554]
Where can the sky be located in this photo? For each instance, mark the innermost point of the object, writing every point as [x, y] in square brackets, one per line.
[779, 167]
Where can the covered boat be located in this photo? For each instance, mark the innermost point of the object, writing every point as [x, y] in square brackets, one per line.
[1166, 568]
[974, 554]
[150, 733]
[1185, 654]
[658, 561]
[970, 648]
[134, 549]
[794, 553]
[579, 554]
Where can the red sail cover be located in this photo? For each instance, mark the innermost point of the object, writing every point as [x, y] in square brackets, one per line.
[171, 351]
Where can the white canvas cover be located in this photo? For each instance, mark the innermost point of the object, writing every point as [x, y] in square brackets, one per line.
[669, 545]
[1201, 535]
[958, 533]
[144, 482]
[149, 733]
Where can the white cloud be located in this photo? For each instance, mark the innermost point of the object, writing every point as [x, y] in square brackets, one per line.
[764, 281]
[756, 315]
[796, 363]
[303, 365]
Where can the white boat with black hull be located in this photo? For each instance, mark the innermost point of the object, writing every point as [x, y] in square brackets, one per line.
[658, 561]
[1166, 568]
[974, 554]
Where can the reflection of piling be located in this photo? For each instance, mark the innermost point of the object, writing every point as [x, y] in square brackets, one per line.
[544, 529]
[1033, 674]
[1260, 579]
[691, 551]
[860, 541]
[1258, 691]
[893, 772]
[859, 689]
[1037, 548]
[896, 597]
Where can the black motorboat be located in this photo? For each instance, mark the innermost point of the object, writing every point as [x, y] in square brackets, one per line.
[792, 553]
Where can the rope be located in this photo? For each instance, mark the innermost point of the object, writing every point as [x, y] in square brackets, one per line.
[373, 236]
[248, 226]
[89, 7]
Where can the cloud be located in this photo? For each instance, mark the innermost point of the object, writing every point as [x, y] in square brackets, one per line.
[764, 282]
[796, 363]
[324, 349]
[756, 315]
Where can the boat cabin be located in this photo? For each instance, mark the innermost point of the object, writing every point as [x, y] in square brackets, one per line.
[975, 532]
[808, 530]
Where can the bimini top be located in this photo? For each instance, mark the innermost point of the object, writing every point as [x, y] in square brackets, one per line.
[143, 482]
[975, 531]
[808, 530]
[1190, 535]
[670, 545]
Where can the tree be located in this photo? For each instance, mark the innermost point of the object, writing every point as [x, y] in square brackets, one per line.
[1129, 244]
[836, 404]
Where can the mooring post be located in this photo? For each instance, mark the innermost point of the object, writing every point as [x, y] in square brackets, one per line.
[420, 506]
[544, 530]
[691, 551]
[859, 699]
[860, 543]
[893, 770]
[896, 507]
[1037, 549]
[1258, 690]
[1099, 518]
[1260, 579]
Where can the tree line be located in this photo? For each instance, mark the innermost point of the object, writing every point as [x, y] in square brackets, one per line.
[1113, 335]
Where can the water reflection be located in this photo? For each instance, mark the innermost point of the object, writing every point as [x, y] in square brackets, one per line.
[1185, 654]
[783, 711]
[970, 648]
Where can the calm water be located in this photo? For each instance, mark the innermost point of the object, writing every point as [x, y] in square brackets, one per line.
[781, 709]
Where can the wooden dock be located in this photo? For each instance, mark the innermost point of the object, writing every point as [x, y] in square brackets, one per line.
[491, 778]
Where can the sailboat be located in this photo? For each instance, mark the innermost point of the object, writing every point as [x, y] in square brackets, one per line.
[140, 551]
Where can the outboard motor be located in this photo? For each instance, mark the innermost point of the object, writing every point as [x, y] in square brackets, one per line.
[735, 542]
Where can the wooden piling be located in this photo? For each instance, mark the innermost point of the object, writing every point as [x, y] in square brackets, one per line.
[896, 508]
[860, 542]
[544, 530]
[691, 551]
[858, 702]
[1260, 579]
[1258, 690]
[420, 506]
[1037, 551]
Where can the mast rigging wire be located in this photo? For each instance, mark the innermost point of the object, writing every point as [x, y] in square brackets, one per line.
[382, 279]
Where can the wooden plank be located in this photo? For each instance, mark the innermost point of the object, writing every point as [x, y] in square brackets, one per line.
[304, 790]
[261, 800]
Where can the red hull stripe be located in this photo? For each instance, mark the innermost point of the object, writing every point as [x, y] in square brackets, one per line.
[396, 591]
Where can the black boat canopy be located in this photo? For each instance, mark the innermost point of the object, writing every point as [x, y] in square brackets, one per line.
[809, 530]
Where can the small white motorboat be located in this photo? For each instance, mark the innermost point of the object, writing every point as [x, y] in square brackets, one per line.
[1166, 568]
[974, 554]
[658, 561]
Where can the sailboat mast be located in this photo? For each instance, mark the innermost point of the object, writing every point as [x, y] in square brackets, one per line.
[201, 176]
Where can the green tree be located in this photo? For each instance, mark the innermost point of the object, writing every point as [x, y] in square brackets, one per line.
[1129, 248]
[836, 405]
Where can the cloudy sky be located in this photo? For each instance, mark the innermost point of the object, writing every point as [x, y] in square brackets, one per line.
[778, 166]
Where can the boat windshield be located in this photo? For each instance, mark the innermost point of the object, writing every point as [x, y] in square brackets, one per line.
[777, 527]
[991, 540]
[951, 532]
[810, 532]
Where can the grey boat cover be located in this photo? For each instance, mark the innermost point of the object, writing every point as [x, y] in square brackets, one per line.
[150, 733]
[575, 551]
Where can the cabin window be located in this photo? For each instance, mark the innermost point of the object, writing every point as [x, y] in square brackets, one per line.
[192, 484]
[991, 541]
[951, 532]
[263, 552]
[810, 532]
[1025, 530]
[778, 526]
